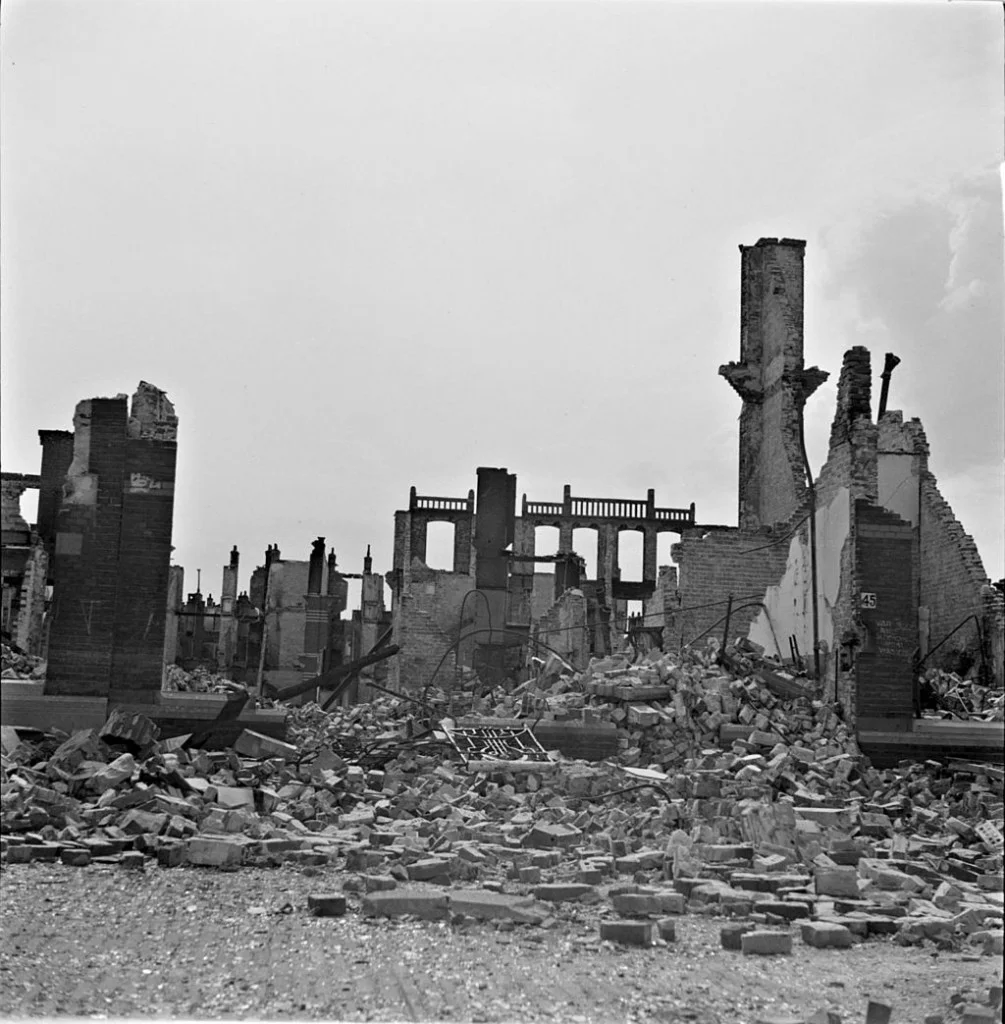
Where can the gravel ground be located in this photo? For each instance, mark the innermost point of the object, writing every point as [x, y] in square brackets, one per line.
[106, 942]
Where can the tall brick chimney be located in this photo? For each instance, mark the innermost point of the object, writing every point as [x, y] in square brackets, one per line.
[772, 381]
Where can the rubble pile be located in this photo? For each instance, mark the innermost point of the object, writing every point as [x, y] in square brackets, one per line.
[16, 665]
[754, 804]
[785, 825]
[199, 680]
[669, 707]
[949, 696]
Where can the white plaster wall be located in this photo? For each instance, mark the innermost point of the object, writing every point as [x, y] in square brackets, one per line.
[790, 604]
[898, 485]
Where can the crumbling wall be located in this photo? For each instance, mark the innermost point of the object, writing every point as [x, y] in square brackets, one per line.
[285, 618]
[564, 629]
[144, 561]
[29, 632]
[714, 564]
[952, 583]
[172, 620]
[544, 594]
[57, 454]
[788, 606]
[81, 634]
[427, 620]
[112, 547]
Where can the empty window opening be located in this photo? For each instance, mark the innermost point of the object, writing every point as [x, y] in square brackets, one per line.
[29, 506]
[630, 555]
[634, 613]
[664, 542]
[440, 546]
[584, 543]
[354, 597]
[545, 543]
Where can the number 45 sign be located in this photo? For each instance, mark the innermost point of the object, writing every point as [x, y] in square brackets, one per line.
[866, 600]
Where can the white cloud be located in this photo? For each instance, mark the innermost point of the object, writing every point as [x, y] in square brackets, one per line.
[971, 243]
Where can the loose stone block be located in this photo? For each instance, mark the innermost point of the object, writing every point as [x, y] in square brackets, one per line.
[824, 936]
[559, 892]
[788, 910]
[483, 905]
[766, 943]
[629, 933]
[878, 1013]
[75, 858]
[837, 881]
[256, 745]
[328, 904]
[429, 905]
[431, 867]
[667, 929]
[650, 903]
[213, 852]
[731, 934]
[380, 883]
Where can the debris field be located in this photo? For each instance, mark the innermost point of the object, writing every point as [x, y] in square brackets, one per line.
[784, 835]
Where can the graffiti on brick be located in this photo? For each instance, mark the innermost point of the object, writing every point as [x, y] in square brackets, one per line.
[140, 483]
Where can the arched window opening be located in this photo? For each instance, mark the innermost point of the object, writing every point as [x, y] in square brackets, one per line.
[584, 543]
[630, 555]
[440, 546]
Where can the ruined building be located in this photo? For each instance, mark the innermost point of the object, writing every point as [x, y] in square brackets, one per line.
[286, 629]
[112, 548]
[493, 606]
[863, 574]
[25, 568]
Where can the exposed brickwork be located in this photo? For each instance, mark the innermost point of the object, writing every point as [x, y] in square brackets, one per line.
[144, 565]
[427, 620]
[112, 548]
[57, 454]
[564, 629]
[714, 565]
[81, 634]
[851, 474]
[885, 680]
[772, 381]
[952, 581]
[285, 618]
[28, 632]
[853, 395]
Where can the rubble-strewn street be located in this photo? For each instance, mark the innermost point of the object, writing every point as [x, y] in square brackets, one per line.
[731, 830]
[200, 943]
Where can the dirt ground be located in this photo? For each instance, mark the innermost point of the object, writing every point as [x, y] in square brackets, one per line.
[102, 942]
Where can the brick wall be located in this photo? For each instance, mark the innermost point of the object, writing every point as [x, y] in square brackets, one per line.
[564, 629]
[144, 566]
[952, 581]
[285, 616]
[28, 632]
[85, 595]
[885, 680]
[112, 547]
[57, 454]
[427, 620]
[172, 621]
[714, 565]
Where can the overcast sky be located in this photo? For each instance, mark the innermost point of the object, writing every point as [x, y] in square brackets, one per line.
[369, 245]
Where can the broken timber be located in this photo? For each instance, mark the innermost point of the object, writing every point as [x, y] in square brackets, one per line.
[335, 675]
